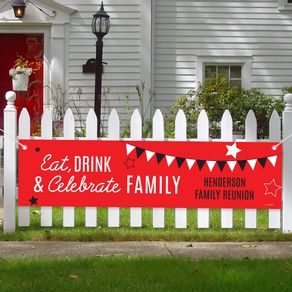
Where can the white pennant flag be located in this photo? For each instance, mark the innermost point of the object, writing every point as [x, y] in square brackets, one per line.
[231, 165]
[211, 164]
[273, 160]
[149, 154]
[252, 163]
[130, 148]
[190, 163]
[169, 159]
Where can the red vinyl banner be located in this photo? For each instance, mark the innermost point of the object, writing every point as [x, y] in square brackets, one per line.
[164, 174]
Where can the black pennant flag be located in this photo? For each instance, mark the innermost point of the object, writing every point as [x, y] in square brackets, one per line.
[159, 157]
[179, 161]
[139, 151]
[262, 161]
[201, 163]
[221, 164]
[242, 164]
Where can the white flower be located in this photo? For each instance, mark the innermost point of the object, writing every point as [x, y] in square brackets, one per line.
[20, 70]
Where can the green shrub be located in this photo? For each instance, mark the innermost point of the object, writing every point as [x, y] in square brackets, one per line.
[215, 95]
[287, 90]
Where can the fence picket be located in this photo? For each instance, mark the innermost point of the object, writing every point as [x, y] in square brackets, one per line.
[180, 135]
[287, 166]
[47, 133]
[136, 133]
[69, 134]
[226, 135]
[203, 135]
[24, 133]
[158, 135]
[113, 134]
[250, 136]
[275, 135]
[91, 134]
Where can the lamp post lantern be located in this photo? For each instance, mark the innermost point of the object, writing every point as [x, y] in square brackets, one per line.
[18, 7]
[100, 27]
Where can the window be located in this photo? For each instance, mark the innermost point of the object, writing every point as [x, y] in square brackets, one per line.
[285, 5]
[238, 68]
[233, 72]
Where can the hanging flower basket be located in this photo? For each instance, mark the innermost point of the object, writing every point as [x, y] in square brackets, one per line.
[21, 71]
[20, 77]
[20, 82]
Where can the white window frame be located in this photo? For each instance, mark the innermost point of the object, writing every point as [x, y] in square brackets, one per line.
[284, 5]
[225, 65]
[245, 62]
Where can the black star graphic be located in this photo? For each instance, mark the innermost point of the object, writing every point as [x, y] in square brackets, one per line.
[38, 149]
[129, 163]
[33, 200]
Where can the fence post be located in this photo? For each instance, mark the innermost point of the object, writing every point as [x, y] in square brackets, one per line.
[287, 165]
[9, 162]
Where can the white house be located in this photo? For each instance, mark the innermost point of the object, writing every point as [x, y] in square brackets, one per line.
[170, 45]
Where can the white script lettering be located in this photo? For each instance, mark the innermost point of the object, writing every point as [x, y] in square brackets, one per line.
[72, 185]
[54, 165]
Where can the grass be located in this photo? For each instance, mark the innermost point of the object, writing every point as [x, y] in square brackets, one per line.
[126, 233]
[145, 274]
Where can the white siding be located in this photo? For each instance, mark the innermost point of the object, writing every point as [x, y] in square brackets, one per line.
[121, 52]
[185, 30]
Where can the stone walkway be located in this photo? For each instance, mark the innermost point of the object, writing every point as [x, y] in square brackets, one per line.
[57, 249]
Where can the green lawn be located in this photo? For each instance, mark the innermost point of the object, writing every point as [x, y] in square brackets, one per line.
[145, 274]
[169, 233]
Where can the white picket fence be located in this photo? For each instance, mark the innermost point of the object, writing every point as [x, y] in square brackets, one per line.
[277, 218]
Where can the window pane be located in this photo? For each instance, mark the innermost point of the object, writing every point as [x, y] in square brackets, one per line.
[223, 70]
[232, 72]
[210, 71]
[235, 71]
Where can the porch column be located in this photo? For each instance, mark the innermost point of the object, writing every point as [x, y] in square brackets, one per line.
[58, 52]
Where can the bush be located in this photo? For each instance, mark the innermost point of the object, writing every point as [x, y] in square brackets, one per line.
[215, 95]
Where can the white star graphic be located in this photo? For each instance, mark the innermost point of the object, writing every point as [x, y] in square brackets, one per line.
[232, 150]
[272, 188]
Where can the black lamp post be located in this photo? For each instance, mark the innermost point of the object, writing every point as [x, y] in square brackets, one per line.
[100, 27]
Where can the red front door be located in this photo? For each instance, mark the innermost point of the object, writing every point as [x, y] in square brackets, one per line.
[30, 47]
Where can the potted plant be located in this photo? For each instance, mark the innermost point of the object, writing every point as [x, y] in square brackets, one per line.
[21, 71]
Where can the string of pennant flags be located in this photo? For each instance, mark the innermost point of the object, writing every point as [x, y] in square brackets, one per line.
[262, 161]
